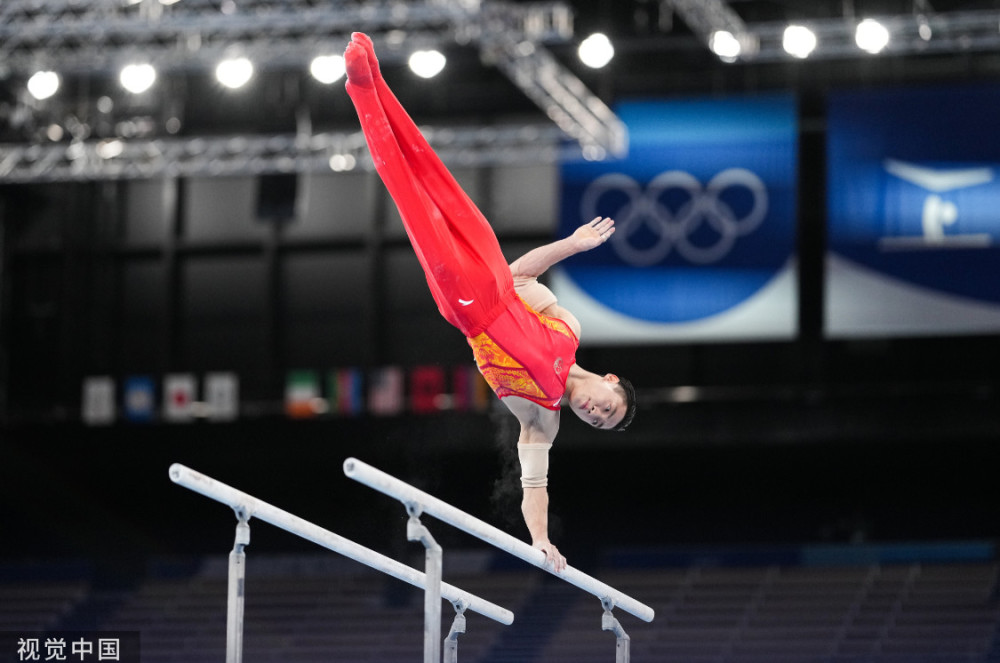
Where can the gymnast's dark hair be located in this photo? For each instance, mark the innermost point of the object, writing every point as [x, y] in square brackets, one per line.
[630, 404]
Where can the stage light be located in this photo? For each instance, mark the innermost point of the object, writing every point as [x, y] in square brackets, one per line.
[596, 51]
[798, 41]
[924, 28]
[327, 68]
[234, 73]
[109, 149]
[137, 78]
[43, 84]
[427, 64]
[342, 162]
[871, 36]
[725, 45]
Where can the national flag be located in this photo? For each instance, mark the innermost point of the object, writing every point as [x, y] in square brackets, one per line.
[179, 394]
[222, 396]
[427, 389]
[385, 391]
[139, 398]
[460, 388]
[302, 399]
[346, 393]
[98, 404]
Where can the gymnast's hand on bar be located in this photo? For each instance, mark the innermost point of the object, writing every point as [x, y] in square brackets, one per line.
[552, 555]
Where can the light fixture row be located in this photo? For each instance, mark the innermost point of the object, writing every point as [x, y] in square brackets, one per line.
[234, 73]
[595, 51]
[799, 41]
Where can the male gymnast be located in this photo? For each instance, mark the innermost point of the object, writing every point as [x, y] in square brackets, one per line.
[523, 341]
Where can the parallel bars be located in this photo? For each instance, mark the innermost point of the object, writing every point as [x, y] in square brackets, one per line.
[247, 506]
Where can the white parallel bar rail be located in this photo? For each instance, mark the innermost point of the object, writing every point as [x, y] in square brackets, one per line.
[407, 494]
[253, 507]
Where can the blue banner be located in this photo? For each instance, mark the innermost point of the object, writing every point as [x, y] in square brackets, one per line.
[914, 236]
[139, 399]
[704, 206]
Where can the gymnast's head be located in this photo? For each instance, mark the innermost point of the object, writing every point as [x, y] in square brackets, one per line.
[606, 402]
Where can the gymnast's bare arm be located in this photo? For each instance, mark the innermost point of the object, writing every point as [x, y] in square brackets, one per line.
[538, 425]
[586, 237]
[534, 263]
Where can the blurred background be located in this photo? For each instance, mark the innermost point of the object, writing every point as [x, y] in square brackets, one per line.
[198, 264]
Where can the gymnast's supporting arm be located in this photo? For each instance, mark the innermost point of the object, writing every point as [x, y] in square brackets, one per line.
[539, 427]
[535, 509]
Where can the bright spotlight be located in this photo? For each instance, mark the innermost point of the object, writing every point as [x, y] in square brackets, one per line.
[924, 28]
[43, 84]
[725, 45]
[327, 68]
[342, 162]
[871, 36]
[427, 64]
[109, 149]
[798, 41]
[137, 78]
[234, 73]
[596, 50]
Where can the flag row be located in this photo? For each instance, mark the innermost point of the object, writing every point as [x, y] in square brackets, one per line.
[341, 392]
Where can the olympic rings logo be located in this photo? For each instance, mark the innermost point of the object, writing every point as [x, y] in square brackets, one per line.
[673, 229]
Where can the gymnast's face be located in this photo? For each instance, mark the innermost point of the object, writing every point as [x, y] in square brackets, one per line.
[599, 402]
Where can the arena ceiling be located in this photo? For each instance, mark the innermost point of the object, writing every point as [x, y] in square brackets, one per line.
[513, 89]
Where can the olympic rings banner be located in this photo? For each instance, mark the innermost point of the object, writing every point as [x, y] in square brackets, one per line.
[914, 233]
[704, 205]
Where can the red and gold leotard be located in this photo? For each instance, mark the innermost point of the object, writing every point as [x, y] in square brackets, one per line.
[527, 354]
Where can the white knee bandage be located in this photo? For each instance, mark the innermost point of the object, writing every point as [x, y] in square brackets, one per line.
[534, 459]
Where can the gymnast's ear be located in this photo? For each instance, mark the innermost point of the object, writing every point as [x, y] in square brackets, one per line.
[611, 377]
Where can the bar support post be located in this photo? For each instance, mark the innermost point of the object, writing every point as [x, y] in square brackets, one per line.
[457, 628]
[610, 623]
[237, 586]
[415, 531]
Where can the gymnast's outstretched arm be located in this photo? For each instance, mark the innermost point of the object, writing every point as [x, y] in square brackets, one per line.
[586, 237]
[526, 269]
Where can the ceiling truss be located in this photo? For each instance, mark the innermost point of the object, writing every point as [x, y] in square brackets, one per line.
[100, 36]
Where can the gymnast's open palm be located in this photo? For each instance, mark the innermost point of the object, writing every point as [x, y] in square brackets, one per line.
[591, 235]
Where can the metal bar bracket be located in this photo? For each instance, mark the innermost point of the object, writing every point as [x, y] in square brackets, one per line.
[610, 623]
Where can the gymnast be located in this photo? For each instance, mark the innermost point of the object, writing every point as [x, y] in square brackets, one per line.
[523, 341]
